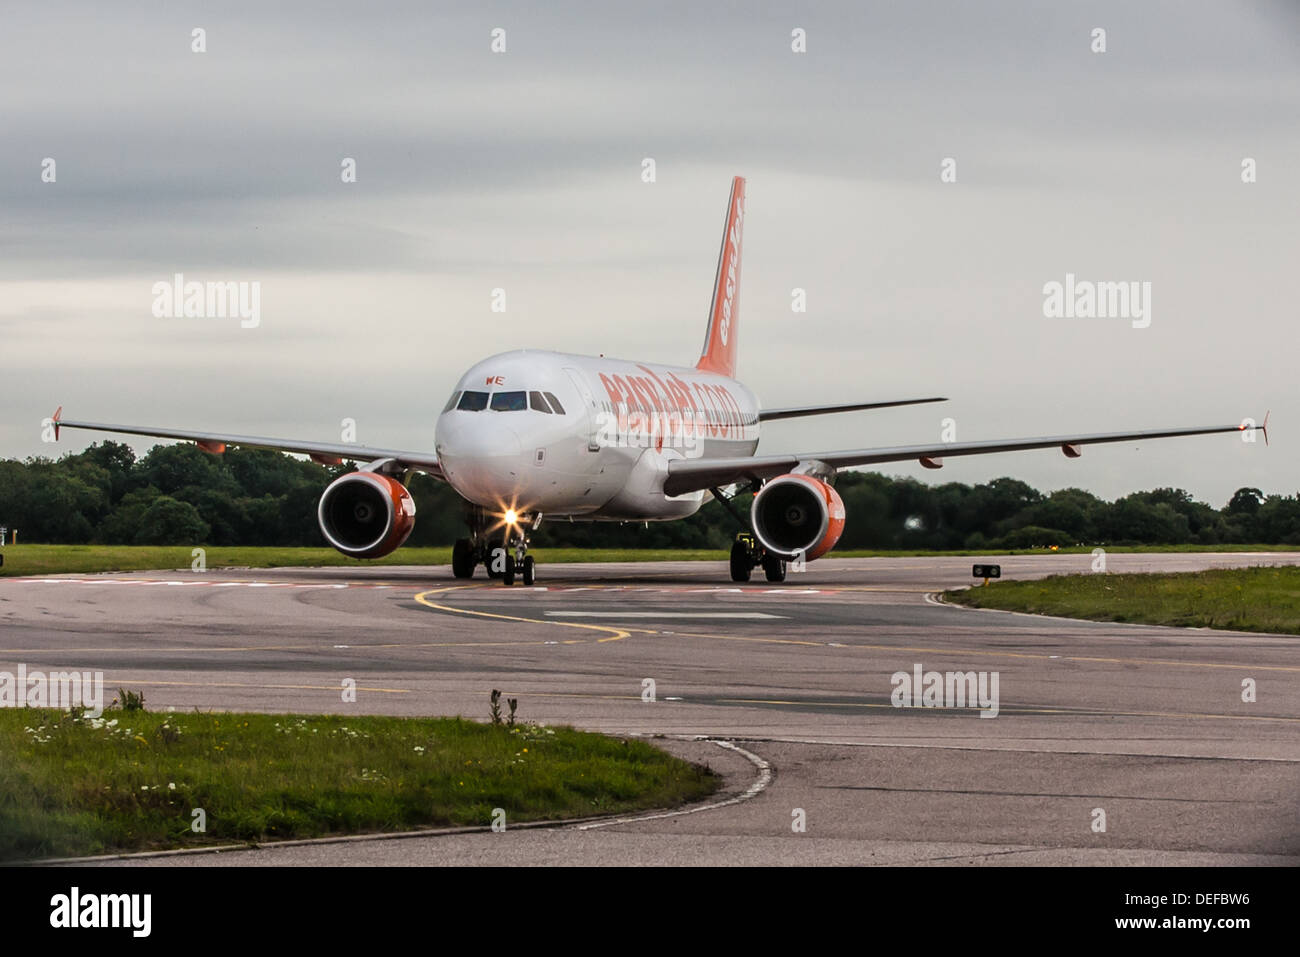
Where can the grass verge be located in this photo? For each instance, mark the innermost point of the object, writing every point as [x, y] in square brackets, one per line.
[1238, 599]
[90, 559]
[132, 780]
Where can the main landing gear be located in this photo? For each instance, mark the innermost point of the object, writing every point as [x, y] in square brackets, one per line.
[503, 553]
[747, 554]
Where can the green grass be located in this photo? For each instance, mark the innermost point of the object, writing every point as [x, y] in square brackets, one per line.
[80, 787]
[89, 559]
[1238, 599]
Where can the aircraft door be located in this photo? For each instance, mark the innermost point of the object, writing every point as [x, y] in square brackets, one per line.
[592, 409]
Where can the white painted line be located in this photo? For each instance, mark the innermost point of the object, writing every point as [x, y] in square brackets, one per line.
[760, 784]
[661, 614]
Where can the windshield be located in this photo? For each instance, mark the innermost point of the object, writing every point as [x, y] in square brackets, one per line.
[509, 401]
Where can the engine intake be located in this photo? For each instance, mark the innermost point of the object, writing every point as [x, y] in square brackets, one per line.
[365, 514]
[798, 515]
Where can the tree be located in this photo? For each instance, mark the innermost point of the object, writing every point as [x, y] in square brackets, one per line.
[170, 522]
[1134, 519]
[174, 469]
[1245, 501]
[122, 524]
[1278, 521]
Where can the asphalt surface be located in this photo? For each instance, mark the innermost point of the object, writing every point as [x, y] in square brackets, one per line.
[1144, 723]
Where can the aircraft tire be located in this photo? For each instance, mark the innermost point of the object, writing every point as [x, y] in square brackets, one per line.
[773, 568]
[462, 559]
[741, 566]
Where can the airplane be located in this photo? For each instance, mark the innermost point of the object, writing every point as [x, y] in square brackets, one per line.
[532, 434]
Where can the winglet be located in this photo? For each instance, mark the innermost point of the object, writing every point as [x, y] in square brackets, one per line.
[1256, 428]
[54, 419]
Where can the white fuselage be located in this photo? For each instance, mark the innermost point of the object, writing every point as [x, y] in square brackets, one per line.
[587, 437]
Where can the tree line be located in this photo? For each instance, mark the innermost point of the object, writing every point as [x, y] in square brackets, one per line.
[180, 495]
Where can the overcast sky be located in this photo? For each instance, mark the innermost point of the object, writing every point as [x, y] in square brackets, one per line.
[522, 170]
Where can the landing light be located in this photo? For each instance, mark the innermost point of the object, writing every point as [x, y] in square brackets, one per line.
[511, 517]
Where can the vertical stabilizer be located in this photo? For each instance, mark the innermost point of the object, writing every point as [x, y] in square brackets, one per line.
[724, 312]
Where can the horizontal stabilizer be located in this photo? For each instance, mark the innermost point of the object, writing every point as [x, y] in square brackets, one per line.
[796, 411]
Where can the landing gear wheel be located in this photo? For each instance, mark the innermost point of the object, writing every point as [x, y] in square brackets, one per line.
[462, 559]
[773, 568]
[530, 573]
[741, 564]
[509, 576]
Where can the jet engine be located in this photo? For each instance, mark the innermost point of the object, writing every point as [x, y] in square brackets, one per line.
[798, 516]
[365, 514]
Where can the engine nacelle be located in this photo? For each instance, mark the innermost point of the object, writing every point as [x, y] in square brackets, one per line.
[798, 515]
[365, 514]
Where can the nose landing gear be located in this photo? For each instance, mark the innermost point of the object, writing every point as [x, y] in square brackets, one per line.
[520, 564]
[504, 555]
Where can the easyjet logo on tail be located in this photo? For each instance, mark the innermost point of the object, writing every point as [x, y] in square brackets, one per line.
[733, 260]
[724, 311]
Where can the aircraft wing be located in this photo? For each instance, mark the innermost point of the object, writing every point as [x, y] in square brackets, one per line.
[794, 412]
[690, 475]
[326, 453]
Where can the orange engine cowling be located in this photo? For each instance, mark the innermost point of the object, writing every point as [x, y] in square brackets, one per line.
[798, 515]
[365, 514]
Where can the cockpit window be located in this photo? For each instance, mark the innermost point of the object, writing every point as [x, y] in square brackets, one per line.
[509, 401]
[535, 401]
[555, 403]
[451, 403]
[472, 401]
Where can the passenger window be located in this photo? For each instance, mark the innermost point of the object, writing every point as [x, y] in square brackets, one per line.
[451, 403]
[536, 401]
[509, 401]
[472, 401]
[555, 403]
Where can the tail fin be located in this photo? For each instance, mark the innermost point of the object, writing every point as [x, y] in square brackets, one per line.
[724, 313]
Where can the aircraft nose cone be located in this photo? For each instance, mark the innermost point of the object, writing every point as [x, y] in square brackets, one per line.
[481, 456]
[475, 435]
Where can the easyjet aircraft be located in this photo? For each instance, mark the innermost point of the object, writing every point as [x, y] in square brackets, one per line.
[530, 434]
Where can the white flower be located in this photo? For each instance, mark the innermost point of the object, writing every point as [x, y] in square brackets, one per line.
[171, 786]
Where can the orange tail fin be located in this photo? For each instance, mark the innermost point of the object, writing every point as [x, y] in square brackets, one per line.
[724, 313]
